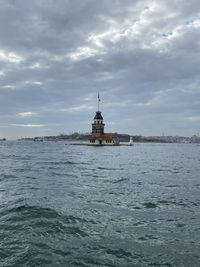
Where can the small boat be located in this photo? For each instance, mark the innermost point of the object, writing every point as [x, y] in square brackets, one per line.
[131, 141]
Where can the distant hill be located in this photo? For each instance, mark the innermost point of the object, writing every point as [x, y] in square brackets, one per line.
[122, 137]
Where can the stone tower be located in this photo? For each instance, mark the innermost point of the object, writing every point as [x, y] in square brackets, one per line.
[98, 137]
[98, 125]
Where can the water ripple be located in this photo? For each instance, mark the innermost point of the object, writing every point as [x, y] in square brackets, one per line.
[82, 206]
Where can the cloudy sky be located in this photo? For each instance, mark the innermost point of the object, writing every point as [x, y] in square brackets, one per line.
[143, 56]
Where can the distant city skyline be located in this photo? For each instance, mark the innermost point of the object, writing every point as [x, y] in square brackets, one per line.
[141, 56]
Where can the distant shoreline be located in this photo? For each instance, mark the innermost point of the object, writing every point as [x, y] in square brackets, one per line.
[122, 137]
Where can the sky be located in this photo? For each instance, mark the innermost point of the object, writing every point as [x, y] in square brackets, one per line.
[142, 56]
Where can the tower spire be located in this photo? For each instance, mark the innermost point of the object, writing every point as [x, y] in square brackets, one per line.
[98, 101]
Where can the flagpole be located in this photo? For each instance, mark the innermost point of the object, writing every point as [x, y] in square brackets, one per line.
[98, 101]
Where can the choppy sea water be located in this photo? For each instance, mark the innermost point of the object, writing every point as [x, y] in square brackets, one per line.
[63, 205]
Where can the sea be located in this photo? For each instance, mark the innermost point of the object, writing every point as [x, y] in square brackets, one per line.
[66, 205]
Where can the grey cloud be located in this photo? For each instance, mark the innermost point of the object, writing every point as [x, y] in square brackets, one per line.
[143, 57]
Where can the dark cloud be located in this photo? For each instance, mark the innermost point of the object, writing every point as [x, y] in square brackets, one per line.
[143, 57]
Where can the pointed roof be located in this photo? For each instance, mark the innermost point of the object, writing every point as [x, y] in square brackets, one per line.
[98, 116]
